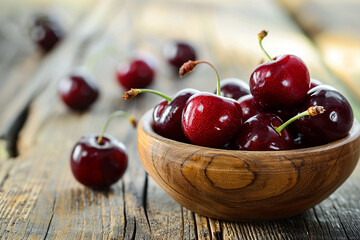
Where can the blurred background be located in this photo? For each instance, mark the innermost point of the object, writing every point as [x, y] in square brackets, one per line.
[324, 33]
[37, 128]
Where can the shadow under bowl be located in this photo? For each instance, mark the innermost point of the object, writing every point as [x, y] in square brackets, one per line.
[240, 185]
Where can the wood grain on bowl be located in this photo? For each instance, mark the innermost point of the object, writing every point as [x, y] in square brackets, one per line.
[245, 185]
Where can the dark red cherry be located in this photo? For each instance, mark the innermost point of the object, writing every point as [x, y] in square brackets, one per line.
[211, 120]
[258, 134]
[283, 113]
[98, 165]
[98, 161]
[138, 73]
[314, 83]
[46, 33]
[78, 90]
[234, 88]
[282, 82]
[251, 108]
[177, 53]
[167, 114]
[248, 106]
[334, 124]
[299, 139]
[266, 131]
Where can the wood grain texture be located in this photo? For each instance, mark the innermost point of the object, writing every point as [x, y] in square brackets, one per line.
[245, 185]
[39, 198]
[25, 70]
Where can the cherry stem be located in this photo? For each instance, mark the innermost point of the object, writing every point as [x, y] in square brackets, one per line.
[311, 111]
[189, 66]
[135, 91]
[113, 115]
[261, 36]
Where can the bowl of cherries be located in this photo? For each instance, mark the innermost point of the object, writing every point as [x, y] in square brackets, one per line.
[281, 147]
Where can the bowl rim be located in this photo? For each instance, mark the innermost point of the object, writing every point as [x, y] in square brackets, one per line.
[151, 146]
[147, 120]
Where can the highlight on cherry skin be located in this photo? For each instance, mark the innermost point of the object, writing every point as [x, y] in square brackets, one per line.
[233, 88]
[208, 119]
[334, 124]
[167, 114]
[137, 73]
[314, 83]
[98, 160]
[226, 120]
[79, 90]
[280, 82]
[46, 32]
[267, 132]
[248, 106]
[178, 52]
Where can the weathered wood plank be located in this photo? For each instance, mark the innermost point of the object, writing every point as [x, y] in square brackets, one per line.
[19, 61]
[5, 167]
[20, 79]
[63, 208]
[39, 196]
[162, 225]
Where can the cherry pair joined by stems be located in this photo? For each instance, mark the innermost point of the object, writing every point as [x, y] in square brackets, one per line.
[98, 161]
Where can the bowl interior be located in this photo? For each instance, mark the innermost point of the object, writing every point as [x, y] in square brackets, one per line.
[354, 133]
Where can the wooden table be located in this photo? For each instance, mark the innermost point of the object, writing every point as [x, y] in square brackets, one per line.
[39, 197]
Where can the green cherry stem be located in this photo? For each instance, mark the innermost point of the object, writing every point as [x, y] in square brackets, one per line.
[189, 66]
[135, 91]
[311, 111]
[261, 36]
[113, 115]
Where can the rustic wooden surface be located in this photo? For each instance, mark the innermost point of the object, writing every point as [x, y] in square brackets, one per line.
[246, 185]
[39, 197]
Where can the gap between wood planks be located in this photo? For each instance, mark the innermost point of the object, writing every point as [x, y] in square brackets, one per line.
[203, 226]
[26, 64]
[11, 136]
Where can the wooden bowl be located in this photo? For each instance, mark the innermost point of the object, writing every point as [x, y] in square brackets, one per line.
[246, 185]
